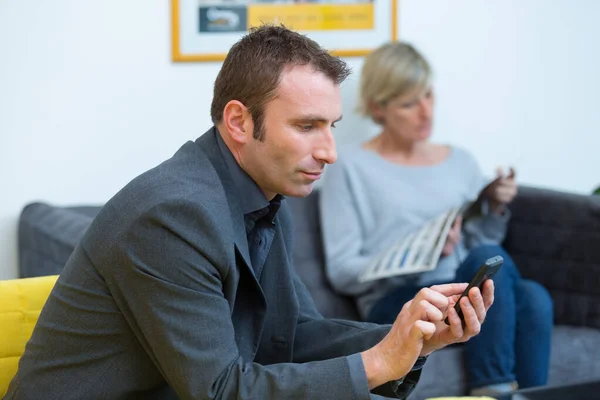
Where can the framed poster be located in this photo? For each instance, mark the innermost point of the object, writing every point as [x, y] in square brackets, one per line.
[204, 30]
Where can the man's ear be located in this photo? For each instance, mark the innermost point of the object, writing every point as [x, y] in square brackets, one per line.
[238, 121]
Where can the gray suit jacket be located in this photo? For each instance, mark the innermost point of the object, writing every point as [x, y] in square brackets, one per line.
[159, 301]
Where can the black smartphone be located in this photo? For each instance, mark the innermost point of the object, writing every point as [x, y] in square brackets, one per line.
[486, 271]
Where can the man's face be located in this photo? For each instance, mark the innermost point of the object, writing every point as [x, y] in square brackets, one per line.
[298, 139]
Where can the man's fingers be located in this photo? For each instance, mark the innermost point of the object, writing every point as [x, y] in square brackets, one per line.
[453, 299]
[488, 293]
[423, 329]
[437, 299]
[499, 172]
[455, 323]
[429, 312]
[472, 324]
[450, 289]
[477, 303]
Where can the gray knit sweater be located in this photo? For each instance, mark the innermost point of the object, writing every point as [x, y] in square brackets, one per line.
[368, 203]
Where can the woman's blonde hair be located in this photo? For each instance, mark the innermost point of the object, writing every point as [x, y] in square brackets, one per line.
[392, 70]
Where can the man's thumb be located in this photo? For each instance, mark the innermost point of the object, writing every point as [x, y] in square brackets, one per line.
[423, 329]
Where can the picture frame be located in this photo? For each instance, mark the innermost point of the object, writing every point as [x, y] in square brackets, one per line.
[204, 30]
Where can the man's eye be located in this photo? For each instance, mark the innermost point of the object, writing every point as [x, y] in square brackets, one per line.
[305, 128]
[333, 125]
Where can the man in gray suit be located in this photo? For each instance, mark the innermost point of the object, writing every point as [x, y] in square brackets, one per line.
[183, 285]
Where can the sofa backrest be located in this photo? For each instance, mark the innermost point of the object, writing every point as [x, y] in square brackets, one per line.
[48, 235]
[553, 237]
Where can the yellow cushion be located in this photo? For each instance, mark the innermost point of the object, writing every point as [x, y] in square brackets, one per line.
[21, 301]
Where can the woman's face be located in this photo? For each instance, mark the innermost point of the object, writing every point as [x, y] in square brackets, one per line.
[408, 117]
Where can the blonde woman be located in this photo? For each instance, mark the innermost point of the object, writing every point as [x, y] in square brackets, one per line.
[391, 185]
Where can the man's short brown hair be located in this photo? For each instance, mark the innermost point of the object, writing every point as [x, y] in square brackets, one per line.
[252, 69]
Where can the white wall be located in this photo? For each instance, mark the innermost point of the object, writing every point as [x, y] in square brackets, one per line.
[89, 97]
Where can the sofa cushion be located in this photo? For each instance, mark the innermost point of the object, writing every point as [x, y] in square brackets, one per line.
[575, 355]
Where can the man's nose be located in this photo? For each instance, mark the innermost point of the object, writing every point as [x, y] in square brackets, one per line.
[325, 150]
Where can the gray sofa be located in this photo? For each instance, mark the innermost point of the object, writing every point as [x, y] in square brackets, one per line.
[554, 238]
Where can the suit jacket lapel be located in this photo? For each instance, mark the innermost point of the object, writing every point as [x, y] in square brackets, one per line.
[250, 305]
[277, 283]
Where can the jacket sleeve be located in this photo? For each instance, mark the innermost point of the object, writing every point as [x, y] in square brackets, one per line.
[340, 338]
[167, 277]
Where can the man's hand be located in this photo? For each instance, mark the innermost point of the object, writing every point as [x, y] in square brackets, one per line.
[474, 309]
[453, 237]
[394, 356]
[501, 191]
[419, 329]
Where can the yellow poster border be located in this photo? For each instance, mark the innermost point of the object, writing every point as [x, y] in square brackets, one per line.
[178, 56]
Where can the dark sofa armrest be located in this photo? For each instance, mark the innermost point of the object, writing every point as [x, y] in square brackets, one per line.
[48, 235]
[554, 238]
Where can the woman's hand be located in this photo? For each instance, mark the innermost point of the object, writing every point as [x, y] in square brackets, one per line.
[453, 237]
[501, 191]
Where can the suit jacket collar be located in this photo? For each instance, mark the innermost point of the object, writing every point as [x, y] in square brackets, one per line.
[209, 145]
[250, 195]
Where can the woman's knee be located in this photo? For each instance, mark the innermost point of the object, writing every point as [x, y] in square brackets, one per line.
[534, 302]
